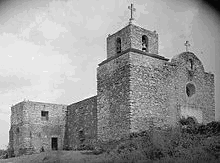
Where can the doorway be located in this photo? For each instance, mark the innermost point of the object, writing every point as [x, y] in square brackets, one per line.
[54, 143]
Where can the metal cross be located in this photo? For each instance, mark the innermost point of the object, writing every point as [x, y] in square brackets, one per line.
[187, 45]
[132, 10]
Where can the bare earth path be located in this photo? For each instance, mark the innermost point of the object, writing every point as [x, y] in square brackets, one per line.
[57, 157]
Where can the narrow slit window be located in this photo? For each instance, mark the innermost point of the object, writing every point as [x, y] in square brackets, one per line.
[118, 45]
[191, 63]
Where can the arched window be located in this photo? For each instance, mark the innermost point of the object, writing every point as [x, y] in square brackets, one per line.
[145, 43]
[118, 45]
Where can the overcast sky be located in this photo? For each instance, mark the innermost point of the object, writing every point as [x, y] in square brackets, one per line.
[49, 50]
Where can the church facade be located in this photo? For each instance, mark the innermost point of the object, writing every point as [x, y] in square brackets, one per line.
[136, 88]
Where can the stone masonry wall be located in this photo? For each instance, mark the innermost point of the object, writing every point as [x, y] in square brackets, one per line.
[209, 94]
[43, 130]
[149, 99]
[36, 132]
[15, 138]
[81, 124]
[112, 98]
[158, 93]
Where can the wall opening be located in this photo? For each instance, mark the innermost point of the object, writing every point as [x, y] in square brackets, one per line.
[118, 45]
[44, 115]
[191, 63]
[144, 43]
[81, 136]
[54, 143]
[190, 89]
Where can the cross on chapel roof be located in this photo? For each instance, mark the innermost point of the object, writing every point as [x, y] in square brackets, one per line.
[187, 45]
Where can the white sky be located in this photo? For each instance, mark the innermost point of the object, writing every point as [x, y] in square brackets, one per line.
[49, 50]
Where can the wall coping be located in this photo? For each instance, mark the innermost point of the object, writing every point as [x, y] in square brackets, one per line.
[135, 51]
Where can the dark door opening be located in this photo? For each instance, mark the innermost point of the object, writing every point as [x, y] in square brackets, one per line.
[54, 143]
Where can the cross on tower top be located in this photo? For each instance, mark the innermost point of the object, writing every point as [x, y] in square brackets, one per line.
[187, 45]
[132, 10]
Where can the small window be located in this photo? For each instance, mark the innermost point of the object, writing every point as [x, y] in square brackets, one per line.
[144, 43]
[44, 115]
[118, 45]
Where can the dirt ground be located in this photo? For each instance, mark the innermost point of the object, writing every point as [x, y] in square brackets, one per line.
[58, 157]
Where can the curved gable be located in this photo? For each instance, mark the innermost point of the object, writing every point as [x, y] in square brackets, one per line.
[188, 60]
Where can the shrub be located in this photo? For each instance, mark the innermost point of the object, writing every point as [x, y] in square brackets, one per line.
[212, 146]
[106, 146]
[85, 147]
[128, 156]
[188, 142]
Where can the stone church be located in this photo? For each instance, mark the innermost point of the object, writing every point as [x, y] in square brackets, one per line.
[136, 88]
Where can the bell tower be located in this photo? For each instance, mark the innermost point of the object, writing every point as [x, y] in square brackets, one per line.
[128, 49]
[132, 37]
